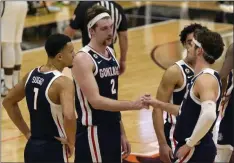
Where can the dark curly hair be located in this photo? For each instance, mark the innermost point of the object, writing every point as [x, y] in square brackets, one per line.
[211, 42]
[187, 30]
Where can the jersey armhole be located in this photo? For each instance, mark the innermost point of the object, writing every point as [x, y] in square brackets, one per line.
[217, 82]
[95, 71]
[29, 75]
[47, 90]
[195, 98]
[184, 79]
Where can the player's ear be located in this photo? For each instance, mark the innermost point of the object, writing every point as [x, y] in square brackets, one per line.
[59, 56]
[91, 31]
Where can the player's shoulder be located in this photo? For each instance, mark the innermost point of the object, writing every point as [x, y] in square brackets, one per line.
[82, 57]
[171, 75]
[206, 80]
[62, 82]
[82, 62]
[173, 70]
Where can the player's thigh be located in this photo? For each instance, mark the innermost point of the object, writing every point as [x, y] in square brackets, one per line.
[23, 8]
[8, 23]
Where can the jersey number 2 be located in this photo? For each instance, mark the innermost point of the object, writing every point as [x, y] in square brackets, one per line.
[113, 90]
[35, 98]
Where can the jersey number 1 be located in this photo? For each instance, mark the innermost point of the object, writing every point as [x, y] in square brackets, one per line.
[113, 90]
[35, 98]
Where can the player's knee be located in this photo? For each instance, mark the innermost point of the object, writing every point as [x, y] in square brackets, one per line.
[18, 54]
[8, 55]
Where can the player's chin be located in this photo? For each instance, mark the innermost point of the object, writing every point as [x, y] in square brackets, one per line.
[108, 42]
[70, 66]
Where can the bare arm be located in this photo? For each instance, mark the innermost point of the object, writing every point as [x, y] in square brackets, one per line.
[69, 31]
[205, 87]
[10, 103]
[123, 45]
[67, 102]
[170, 108]
[228, 63]
[83, 74]
[122, 129]
[164, 94]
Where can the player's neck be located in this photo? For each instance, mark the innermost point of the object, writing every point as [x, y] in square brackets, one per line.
[192, 65]
[201, 65]
[101, 49]
[51, 65]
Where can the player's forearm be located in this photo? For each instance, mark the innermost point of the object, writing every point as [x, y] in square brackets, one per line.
[123, 45]
[15, 115]
[228, 63]
[103, 103]
[224, 85]
[158, 123]
[122, 130]
[226, 68]
[70, 129]
[170, 108]
[204, 123]
[69, 32]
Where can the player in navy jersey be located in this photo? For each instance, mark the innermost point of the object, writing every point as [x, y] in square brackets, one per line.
[199, 110]
[225, 142]
[49, 96]
[100, 132]
[172, 90]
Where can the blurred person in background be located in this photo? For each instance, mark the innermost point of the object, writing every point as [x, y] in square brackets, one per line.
[12, 25]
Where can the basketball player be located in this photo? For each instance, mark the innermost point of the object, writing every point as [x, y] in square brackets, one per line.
[199, 109]
[12, 25]
[225, 142]
[173, 90]
[100, 131]
[120, 26]
[49, 96]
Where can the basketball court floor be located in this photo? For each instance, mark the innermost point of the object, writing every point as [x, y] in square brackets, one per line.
[153, 46]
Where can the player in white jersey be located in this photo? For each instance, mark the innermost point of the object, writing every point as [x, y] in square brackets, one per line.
[12, 25]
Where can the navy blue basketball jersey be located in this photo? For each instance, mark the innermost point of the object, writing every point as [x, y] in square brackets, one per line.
[46, 117]
[178, 94]
[106, 74]
[190, 110]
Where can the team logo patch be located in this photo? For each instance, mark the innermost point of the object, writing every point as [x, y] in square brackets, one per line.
[187, 70]
[95, 56]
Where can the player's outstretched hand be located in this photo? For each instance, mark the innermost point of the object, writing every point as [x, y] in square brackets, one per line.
[149, 100]
[139, 103]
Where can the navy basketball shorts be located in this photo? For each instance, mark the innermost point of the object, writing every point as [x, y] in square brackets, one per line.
[100, 143]
[203, 152]
[39, 151]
